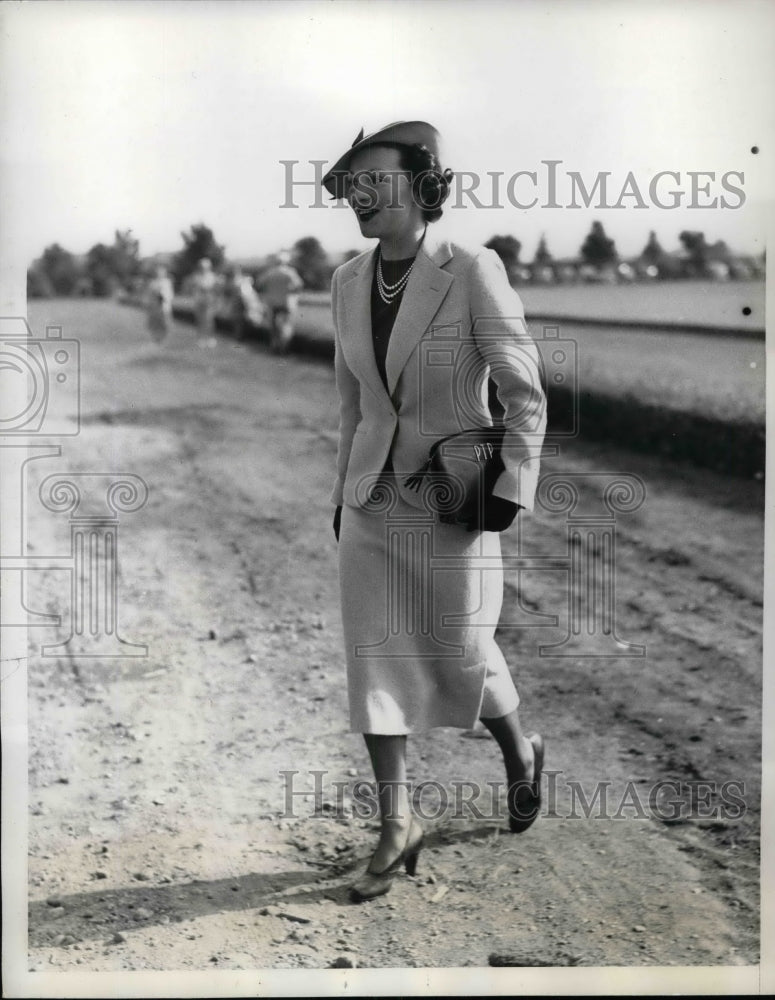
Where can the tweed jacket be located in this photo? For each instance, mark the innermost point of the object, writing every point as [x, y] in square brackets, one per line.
[459, 323]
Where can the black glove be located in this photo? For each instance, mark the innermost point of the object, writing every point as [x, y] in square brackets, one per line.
[497, 515]
[337, 521]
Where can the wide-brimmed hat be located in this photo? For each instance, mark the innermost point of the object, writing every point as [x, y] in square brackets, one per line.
[402, 133]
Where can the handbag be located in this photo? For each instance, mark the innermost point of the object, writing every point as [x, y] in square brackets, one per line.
[460, 473]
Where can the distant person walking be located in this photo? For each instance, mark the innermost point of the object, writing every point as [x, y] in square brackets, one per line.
[244, 304]
[159, 296]
[277, 287]
[204, 284]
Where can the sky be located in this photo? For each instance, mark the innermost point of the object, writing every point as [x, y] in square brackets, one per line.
[157, 115]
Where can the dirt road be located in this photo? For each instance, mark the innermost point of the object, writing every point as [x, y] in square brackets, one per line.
[159, 830]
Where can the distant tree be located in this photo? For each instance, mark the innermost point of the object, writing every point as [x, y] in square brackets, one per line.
[39, 284]
[111, 267]
[60, 269]
[312, 263]
[542, 255]
[199, 242]
[653, 251]
[507, 248]
[668, 265]
[597, 249]
[100, 269]
[126, 257]
[697, 251]
[720, 251]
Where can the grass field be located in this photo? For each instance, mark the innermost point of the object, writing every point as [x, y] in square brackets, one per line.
[719, 377]
[714, 303]
[681, 396]
[713, 376]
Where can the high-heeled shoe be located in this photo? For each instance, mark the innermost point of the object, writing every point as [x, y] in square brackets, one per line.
[372, 884]
[524, 810]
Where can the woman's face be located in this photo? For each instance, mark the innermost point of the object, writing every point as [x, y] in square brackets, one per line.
[380, 194]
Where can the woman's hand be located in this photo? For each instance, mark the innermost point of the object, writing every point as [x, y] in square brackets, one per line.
[497, 515]
[337, 521]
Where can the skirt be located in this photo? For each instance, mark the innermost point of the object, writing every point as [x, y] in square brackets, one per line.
[420, 605]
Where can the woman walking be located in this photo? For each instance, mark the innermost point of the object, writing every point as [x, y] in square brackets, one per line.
[204, 283]
[278, 287]
[159, 297]
[421, 325]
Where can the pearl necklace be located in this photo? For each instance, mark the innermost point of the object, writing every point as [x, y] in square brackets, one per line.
[389, 292]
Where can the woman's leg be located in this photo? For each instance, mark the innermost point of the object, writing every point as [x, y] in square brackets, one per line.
[388, 759]
[516, 748]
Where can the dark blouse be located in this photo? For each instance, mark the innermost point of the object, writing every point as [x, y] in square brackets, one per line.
[383, 315]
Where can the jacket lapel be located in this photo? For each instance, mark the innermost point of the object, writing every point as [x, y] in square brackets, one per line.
[357, 328]
[425, 291]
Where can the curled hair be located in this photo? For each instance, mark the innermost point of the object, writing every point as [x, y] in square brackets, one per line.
[430, 183]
